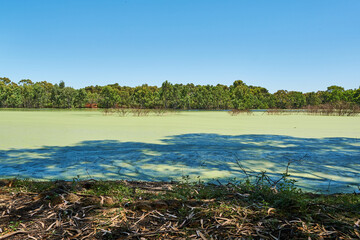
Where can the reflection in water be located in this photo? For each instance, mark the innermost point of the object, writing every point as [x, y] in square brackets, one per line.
[327, 164]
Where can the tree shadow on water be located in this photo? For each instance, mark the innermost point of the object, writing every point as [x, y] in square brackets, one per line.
[326, 164]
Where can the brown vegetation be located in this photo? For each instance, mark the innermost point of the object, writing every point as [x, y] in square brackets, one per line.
[334, 109]
[136, 112]
[328, 109]
[150, 210]
[91, 105]
[235, 112]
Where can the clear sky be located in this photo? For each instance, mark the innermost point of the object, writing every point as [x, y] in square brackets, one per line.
[303, 45]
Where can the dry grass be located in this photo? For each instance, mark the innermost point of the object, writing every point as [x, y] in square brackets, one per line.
[149, 210]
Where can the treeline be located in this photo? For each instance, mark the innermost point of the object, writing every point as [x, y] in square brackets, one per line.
[27, 94]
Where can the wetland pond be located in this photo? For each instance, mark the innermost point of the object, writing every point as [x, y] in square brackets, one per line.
[63, 144]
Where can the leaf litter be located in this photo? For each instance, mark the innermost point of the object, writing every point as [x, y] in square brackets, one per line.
[62, 212]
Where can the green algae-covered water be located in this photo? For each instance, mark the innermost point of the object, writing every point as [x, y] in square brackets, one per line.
[47, 144]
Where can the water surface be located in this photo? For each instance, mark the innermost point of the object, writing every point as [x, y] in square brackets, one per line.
[324, 150]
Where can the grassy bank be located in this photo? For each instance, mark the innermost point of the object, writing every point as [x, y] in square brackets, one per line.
[90, 209]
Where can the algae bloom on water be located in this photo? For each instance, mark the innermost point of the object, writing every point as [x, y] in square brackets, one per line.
[325, 150]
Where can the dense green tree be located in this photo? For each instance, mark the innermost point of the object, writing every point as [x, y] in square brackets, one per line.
[312, 98]
[296, 99]
[334, 94]
[93, 97]
[5, 80]
[31, 94]
[166, 93]
[27, 93]
[281, 99]
[55, 100]
[109, 97]
[356, 96]
[67, 97]
[13, 98]
[81, 98]
[240, 95]
[41, 95]
[62, 84]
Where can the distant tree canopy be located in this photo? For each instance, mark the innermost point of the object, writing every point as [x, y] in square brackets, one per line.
[27, 94]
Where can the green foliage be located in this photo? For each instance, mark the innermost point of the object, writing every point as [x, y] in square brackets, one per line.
[5, 80]
[312, 98]
[349, 202]
[109, 97]
[356, 96]
[14, 225]
[187, 189]
[109, 188]
[81, 98]
[27, 94]
[280, 193]
[32, 186]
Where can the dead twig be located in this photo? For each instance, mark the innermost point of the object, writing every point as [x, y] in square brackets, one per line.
[13, 233]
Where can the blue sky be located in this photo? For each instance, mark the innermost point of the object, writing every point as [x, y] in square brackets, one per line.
[303, 45]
